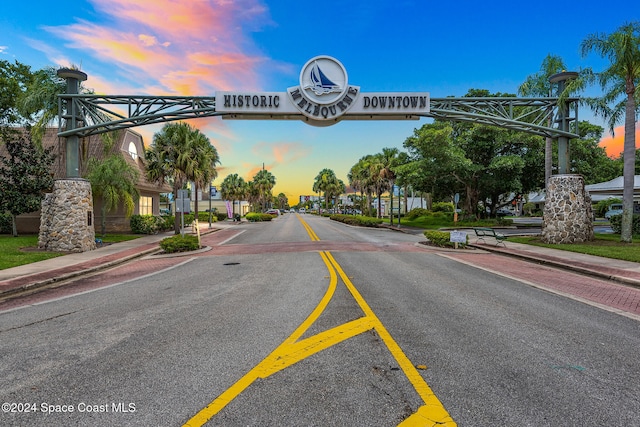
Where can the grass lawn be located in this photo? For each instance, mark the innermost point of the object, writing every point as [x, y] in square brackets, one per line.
[604, 245]
[24, 249]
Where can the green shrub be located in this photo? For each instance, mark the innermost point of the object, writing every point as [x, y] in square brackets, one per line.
[202, 217]
[221, 216]
[166, 222]
[257, 217]
[358, 220]
[179, 243]
[442, 238]
[504, 221]
[616, 224]
[417, 212]
[146, 224]
[442, 207]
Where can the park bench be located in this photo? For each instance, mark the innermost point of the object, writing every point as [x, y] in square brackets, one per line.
[482, 232]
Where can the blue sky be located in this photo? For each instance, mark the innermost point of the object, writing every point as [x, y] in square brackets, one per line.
[197, 47]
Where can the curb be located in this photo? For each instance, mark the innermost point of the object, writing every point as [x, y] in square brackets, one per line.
[562, 265]
[28, 287]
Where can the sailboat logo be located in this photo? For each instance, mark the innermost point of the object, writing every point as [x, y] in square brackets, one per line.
[320, 83]
[323, 79]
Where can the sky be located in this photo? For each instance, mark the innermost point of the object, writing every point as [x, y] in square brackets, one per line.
[198, 47]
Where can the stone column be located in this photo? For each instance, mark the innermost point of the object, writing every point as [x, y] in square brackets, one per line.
[66, 218]
[567, 217]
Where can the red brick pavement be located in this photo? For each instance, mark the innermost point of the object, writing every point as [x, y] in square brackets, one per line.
[118, 274]
[603, 292]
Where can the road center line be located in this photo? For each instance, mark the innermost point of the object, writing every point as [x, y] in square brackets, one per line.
[291, 351]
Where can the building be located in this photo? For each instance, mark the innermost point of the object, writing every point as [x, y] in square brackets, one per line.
[130, 146]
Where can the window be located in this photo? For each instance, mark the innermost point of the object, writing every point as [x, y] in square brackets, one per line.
[145, 205]
[133, 152]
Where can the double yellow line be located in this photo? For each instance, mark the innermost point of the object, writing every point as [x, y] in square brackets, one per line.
[293, 350]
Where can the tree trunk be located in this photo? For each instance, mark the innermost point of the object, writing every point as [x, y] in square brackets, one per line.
[629, 166]
[14, 227]
[103, 220]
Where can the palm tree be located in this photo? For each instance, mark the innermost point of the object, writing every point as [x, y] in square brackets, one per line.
[283, 201]
[232, 189]
[114, 181]
[619, 82]
[325, 181]
[389, 159]
[252, 193]
[180, 153]
[205, 158]
[264, 182]
[360, 178]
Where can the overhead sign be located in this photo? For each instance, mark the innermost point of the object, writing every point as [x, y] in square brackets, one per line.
[323, 97]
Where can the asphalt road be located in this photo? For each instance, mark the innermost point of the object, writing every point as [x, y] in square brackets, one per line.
[304, 321]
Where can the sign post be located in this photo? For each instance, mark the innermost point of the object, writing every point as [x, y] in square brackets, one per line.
[456, 237]
[456, 199]
[183, 205]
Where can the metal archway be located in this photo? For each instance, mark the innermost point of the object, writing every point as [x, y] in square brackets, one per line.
[82, 115]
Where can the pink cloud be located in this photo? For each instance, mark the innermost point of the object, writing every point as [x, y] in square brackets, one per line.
[175, 47]
[282, 152]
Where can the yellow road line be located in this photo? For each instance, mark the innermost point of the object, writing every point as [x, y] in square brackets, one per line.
[433, 409]
[286, 356]
[292, 351]
[259, 370]
[312, 234]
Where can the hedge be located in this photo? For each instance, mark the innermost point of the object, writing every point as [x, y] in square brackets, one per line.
[257, 217]
[148, 224]
[179, 243]
[616, 224]
[359, 220]
[442, 239]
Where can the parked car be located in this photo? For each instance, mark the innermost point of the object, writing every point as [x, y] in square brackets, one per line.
[614, 209]
[275, 212]
[503, 212]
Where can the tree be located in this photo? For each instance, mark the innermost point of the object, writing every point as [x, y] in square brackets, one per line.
[283, 201]
[233, 188]
[180, 153]
[619, 81]
[327, 182]
[14, 79]
[205, 158]
[114, 181]
[25, 175]
[264, 181]
[359, 178]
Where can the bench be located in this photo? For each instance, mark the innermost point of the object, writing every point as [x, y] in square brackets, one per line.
[482, 232]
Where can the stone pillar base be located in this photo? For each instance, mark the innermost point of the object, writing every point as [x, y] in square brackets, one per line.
[66, 218]
[567, 217]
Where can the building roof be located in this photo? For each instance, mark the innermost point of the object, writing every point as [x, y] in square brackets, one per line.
[128, 143]
[616, 184]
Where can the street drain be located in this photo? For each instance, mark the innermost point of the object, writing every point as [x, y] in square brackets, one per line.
[231, 263]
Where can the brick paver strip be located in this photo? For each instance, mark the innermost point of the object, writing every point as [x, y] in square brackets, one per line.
[615, 295]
